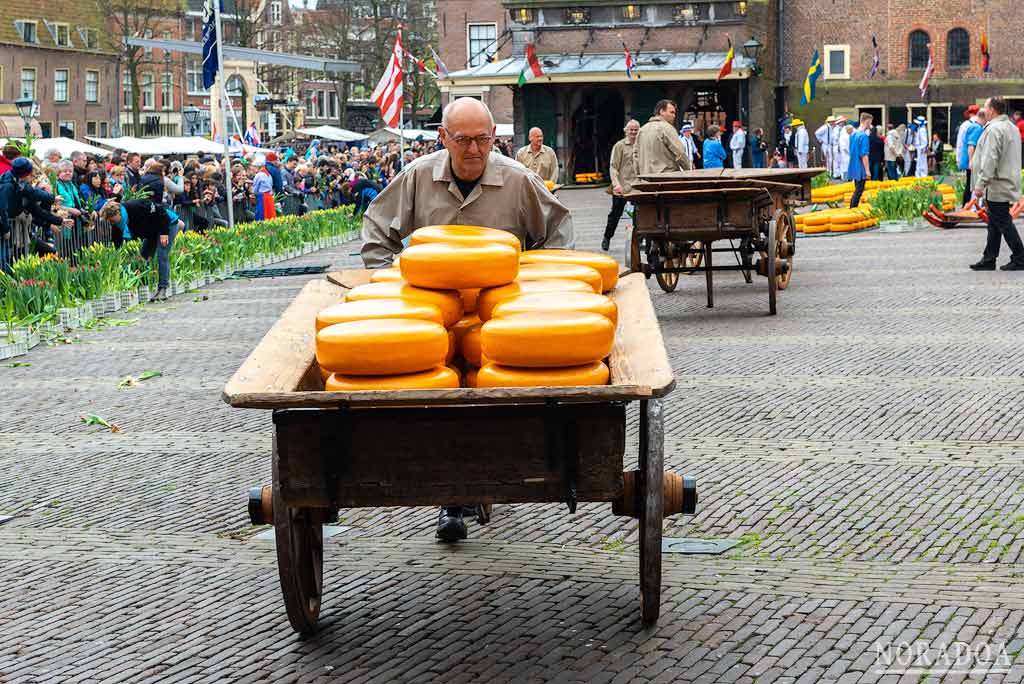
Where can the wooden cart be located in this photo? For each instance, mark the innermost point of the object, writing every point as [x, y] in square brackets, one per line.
[679, 216]
[337, 450]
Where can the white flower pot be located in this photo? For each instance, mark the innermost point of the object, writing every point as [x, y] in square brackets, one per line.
[68, 319]
[8, 350]
[28, 336]
[128, 299]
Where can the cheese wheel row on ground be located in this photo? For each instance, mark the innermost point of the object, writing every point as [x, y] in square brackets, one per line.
[437, 377]
[388, 346]
[547, 340]
[445, 266]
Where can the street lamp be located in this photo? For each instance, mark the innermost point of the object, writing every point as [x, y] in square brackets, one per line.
[25, 107]
[191, 115]
[752, 51]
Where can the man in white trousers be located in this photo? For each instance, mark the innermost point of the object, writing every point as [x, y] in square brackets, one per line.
[802, 144]
[823, 135]
[921, 146]
[738, 144]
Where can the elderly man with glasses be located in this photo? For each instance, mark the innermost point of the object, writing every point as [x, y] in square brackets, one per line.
[464, 184]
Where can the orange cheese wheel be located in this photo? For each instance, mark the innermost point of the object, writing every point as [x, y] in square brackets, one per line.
[377, 308]
[469, 297]
[571, 271]
[453, 346]
[547, 339]
[438, 377]
[448, 301]
[471, 376]
[470, 346]
[464, 235]
[387, 275]
[384, 346]
[463, 326]
[563, 301]
[602, 263]
[490, 297]
[444, 266]
[494, 375]
[324, 374]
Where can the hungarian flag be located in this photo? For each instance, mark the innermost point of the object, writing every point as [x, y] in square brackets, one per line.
[727, 67]
[986, 57]
[532, 67]
[928, 71]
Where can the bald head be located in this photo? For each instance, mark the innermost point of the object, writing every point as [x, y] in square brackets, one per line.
[467, 132]
[536, 137]
[465, 110]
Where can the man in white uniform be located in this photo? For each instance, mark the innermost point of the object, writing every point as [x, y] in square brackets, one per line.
[686, 135]
[738, 144]
[921, 146]
[822, 135]
[802, 144]
[837, 169]
[844, 150]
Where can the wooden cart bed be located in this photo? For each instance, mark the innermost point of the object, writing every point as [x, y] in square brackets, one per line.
[281, 372]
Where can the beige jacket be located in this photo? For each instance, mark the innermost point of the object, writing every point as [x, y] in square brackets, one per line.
[543, 162]
[659, 149]
[425, 193]
[995, 167]
[622, 165]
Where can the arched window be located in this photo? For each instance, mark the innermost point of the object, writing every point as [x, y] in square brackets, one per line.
[958, 48]
[235, 86]
[919, 49]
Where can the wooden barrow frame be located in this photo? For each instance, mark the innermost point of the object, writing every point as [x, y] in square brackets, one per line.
[432, 447]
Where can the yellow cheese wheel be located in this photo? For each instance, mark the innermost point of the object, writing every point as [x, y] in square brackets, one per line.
[571, 271]
[453, 347]
[385, 346]
[377, 308]
[819, 219]
[438, 377]
[490, 297]
[444, 266]
[563, 301]
[464, 325]
[448, 301]
[464, 235]
[387, 275]
[546, 339]
[471, 375]
[494, 375]
[604, 264]
[470, 346]
[469, 297]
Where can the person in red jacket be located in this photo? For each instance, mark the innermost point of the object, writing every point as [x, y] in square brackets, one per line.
[1018, 119]
[7, 157]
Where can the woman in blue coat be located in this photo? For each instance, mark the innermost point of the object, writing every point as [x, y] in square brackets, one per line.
[714, 153]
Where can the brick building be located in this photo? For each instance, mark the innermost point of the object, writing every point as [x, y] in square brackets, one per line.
[585, 95]
[903, 30]
[56, 53]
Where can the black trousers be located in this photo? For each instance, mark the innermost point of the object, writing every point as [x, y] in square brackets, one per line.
[618, 206]
[968, 190]
[1000, 227]
[858, 190]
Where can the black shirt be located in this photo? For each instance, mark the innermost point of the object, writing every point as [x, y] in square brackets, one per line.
[465, 186]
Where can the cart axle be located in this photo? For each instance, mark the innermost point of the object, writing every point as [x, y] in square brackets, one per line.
[679, 494]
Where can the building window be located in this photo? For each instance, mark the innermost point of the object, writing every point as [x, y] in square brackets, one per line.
[62, 35]
[46, 128]
[837, 61]
[92, 87]
[310, 112]
[60, 85]
[235, 86]
[194, 77]
[166, 90]
[27, 31]
[90, 38]
[919, 50]
[332, 104]
[104, 129]
[67, 129]
[148, 35]
[275, 12]
[1, 83]
[577, 15]
[90, 128]
[28, 83]
[958, 46]
[147, 91]
[482, 42]
[126, 83]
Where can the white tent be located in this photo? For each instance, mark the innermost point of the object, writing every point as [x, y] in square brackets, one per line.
[389, 134]
[65, 146]
[332, 133]
[504, 130]
[148, 147]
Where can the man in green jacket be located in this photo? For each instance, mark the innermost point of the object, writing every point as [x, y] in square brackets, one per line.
[995, 169]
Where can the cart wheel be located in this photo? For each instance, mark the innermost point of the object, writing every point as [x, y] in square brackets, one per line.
[773, 282]
[667, 254]
[652, 507]
[632, 255]
[299, 536]
[785, 245]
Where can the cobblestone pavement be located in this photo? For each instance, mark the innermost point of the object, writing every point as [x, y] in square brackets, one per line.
[864, 446]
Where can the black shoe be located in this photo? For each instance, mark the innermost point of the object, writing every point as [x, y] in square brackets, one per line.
[1012, 266]
[159, 296]
[606, 243]
[450, 525]
[984, 266]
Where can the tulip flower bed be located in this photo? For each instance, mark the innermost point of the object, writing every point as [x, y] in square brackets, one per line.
[49, 293]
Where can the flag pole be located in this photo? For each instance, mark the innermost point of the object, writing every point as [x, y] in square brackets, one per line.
[224, 104]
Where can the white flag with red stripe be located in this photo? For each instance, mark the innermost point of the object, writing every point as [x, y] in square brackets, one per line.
[388, 93]
[929, 70]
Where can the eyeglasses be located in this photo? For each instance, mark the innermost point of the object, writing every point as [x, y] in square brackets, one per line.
[464, 141]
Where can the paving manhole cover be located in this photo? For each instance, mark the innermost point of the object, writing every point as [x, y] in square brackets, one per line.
[279, 272]
[329, 531]
[695, 546]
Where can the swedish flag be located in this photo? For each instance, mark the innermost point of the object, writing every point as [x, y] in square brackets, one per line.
[811, 81]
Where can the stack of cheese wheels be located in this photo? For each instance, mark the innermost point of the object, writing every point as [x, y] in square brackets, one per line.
[602, 263]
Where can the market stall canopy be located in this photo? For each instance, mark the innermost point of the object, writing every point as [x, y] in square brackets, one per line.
[602, 68]
[186, 145]
[65, 146]
[332, 133]
[389, 134]
[504, 130]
